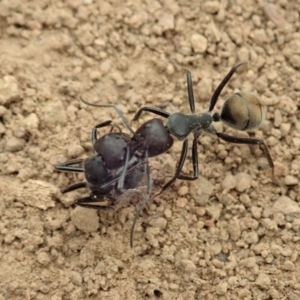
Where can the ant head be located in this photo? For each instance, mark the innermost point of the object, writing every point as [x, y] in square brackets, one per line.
[112, 148]
[242, 111]
[95, 170]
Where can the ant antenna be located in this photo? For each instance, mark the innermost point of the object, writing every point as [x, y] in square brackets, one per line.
[118, 111]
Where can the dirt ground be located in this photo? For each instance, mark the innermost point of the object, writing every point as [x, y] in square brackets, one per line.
[231, 234]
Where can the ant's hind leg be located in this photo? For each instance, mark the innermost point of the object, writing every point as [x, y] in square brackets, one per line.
[248, 141]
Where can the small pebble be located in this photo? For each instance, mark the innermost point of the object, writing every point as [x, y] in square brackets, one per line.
[263, 281]
[234, 229]
[277, 118]
[9, 89]
[181, 202]
[43, 258]
[285, 205]
[173, 286]
[201, 190]
[288, 265]
[276, 250]
[14, 144]
[211, 7]
[166, 22]
[259, 36]
[85, 219]
[188, 265]
[214, 210]
[160, 223]
[75, 150]
[31, 121]
[229, 183]
[251, 237]
[54, 113]
[183, 190]
[272, 12]
[256, 212]
[291, 180]
[76, 278]
[95, 75]
[222, 288]
[296, 142]
[285, 129]
[199, 43]
[243, 182]
[168, 213]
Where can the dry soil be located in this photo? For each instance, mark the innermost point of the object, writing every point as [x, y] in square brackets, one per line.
[232, 234]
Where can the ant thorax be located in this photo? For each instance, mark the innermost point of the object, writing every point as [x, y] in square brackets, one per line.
[181, 125]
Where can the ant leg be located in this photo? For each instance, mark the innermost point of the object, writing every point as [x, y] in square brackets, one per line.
[94, 130]
[86, 202]
[220, 87]
[115, 107]
[178, 168]
[145, 200]
[195, 162]
[156, 111]
[190, 91]
[248, 141]
[124, 171]
[67, 166]
[74, 187]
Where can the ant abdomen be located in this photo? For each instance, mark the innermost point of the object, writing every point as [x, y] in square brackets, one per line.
[242, 111]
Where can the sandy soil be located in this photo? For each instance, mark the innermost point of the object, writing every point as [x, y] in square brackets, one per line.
[232, 234]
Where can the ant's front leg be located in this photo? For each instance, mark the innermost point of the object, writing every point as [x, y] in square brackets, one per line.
[68, 166]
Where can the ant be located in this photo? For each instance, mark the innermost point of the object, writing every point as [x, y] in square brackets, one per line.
[103, 172]
[111, 171]
[117, 152]
[241, 111]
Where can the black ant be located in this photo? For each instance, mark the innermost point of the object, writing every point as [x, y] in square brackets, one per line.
[111, 171]
[103, 172]
[116, 151]
[241, 111]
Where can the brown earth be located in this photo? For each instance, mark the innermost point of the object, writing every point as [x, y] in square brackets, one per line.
[232, 234]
